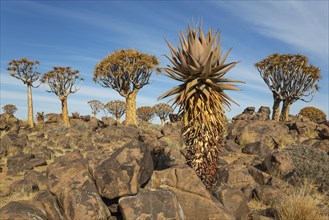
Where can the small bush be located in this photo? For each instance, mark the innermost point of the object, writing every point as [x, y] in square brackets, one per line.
[314, 114]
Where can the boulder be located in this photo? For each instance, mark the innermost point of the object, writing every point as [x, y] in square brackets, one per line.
[70, 181]
[50, 205]
[11, 143]
[322, 145]
[257, 148]
[234, 201]
[151, 204]
[21, 162]
[36, 178]
[281, 162]
[231, 146]
[236, 175]
[192, 195]
[249, 110]
[124, 171]
[23, 186]
[323, 131]
[267, 194]
[23, 210]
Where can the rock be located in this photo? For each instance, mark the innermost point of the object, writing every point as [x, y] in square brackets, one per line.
[171, 134]
[249, 110]
[234, 201]
[12, 143]
[21, 162]
[151, 204]
[125, 171]
[23, 186]
[108, 121]
[231, 146]
[9, 123]
[50, 205]
[36, 178]
[236, 175]
[25, 210]
[282, 163]
[192, 195]
[248, 192]
[323, 131]
[303, 128]
[322, 145]
[267, 194]
[70, 181]
[257, 148]
[259, 176]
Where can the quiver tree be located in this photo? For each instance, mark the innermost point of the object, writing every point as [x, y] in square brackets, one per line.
[116, 108]
[96, 106]
[26, 71]
[290, 78]
[62, 81]
[9, 109]
[126, 71]
[199, 65]
[145, 113]
[162, 110]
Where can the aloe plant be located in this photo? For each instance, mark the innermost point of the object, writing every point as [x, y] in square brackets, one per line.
[199, 65]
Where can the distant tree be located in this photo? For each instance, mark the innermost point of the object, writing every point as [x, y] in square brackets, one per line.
[145, 113]
[126, 71]
[96, 106]
[26, 71]
[61, 81]
[116, 108]
[290, 78]
[40, 117]
[162, 110]
[9, 109]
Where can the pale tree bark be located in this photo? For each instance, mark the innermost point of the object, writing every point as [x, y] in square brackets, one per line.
[131, 118]
[118, 120]
[285, 111]
[162, 121]
[30, 106]
[65, 113]
[276, 109]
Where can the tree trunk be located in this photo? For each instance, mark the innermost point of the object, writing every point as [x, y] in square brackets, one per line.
[30, 106]
[285, 111]
[276, 109]
[94, 115]
[131, 118]
[65, 113]
[118, 120]
[162, 121]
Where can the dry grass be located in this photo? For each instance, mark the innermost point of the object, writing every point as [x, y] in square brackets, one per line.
[247, 138]
[285, 140]
[302, 203]
[255, 205]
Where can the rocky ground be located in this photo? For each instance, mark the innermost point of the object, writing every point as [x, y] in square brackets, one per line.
[99, 170]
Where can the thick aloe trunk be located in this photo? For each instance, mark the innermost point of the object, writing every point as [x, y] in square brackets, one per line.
[276, 109]
[285, 111]
[131, 118]
[65, 113]
[30, 106]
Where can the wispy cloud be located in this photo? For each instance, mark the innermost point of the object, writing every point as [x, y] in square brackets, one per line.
[303, 24]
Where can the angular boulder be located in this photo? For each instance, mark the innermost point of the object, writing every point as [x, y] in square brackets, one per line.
[125, 171]
[23, 210]
[234, 201]
[70, 181]
[49, 204]
[151, 204]
[21, 162]
[192, 195]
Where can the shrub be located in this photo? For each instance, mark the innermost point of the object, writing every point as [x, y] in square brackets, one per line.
[9, 109]
[145, 113]
[314, 114]
[75, 115]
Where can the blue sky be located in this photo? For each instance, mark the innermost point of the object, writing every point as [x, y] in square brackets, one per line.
[80, 33]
